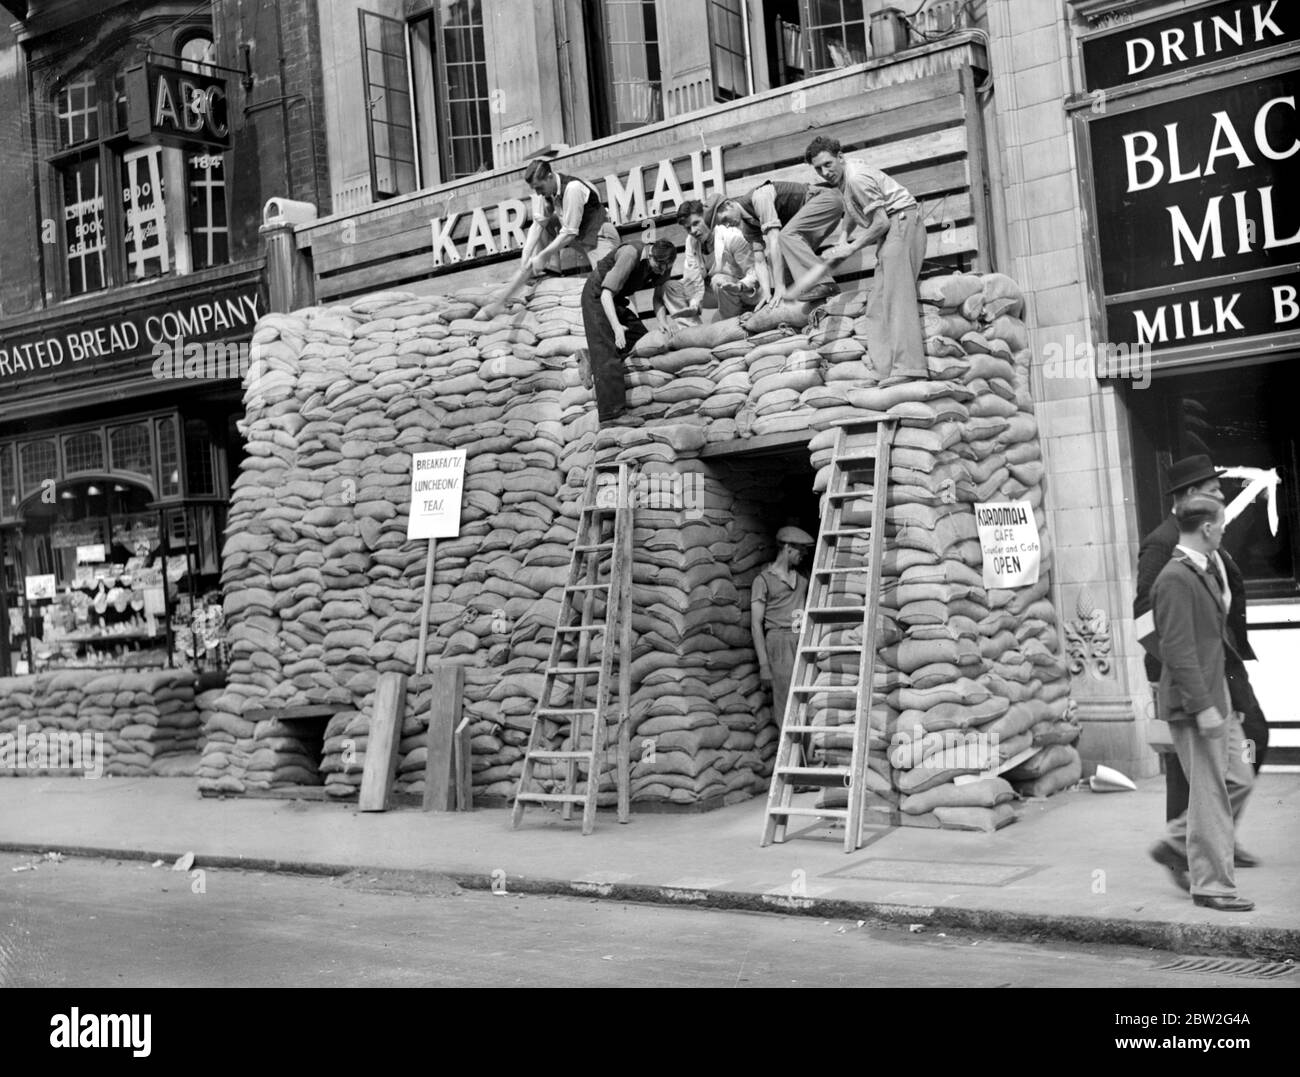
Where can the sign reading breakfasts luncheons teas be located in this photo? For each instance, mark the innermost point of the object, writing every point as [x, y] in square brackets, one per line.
[1009, 540]
[218, 314]
[625, 199]
[1196, 223]
[437, 481]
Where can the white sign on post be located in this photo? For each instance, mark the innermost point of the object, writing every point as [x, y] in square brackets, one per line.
[437, 482]
[1009, 540]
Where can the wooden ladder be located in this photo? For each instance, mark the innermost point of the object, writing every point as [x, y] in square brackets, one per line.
[593, 627]
[852, 518]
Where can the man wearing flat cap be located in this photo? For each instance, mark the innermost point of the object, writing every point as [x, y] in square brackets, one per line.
[718, 271]
[1186, 478]
[777, 600]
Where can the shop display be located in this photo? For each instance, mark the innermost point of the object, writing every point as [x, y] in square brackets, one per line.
[322, 590]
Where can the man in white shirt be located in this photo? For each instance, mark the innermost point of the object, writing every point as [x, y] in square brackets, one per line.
[719, 270]
[876, 210]
[567, 212]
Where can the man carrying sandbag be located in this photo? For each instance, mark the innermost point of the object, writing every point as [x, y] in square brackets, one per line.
[763, 213]
[567, 212]
[777, 599]
[877, 210]
[1186, 478]
[611, 325]
[719, 270]
[1189, 603]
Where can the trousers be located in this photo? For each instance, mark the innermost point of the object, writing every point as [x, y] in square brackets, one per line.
[607, 370]
[893, 321]
[1219, 783]
[805, 232]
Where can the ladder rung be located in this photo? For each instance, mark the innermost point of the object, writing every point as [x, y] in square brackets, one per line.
[833, 648]
[827, 813]
[866, 452]
[813, 689]
[565, 710]
[815, 728]
[838, 772]
[848, 495]
[561, 755]
[836, 610]
[599, 626]
[859, 569]
[838, 531]
[594, 546]
[587, 586]
[572, 669]
[553, 798]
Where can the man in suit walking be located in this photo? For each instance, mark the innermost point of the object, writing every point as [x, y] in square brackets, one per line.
[1186, 477]
[1188, 601]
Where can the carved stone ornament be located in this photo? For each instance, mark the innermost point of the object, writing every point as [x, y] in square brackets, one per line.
[1088, 640]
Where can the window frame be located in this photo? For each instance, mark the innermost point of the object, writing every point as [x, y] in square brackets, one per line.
[600, 62]
[369, 107]
[746, 57]
[811, 32]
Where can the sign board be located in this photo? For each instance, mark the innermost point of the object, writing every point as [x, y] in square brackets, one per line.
[40, 587]
[90, 555]
[173, 107]
[437, 482]
[1009, 540]
[80, 346]
[1197, 229]
[1189, 39]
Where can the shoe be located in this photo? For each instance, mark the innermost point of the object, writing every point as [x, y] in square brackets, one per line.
[1243, 859]
[1222, 903]
[584, 368]
[1163, 855]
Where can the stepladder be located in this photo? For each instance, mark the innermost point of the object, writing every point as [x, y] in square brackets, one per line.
[825, 727]
[588, 671]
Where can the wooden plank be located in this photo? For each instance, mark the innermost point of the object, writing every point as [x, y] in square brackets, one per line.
[462, 760]
[290, 714]
[445, 705]
[979, 174]
[381, 747]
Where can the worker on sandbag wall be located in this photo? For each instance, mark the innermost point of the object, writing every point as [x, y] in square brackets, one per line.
[567, 212]
[719, 271]
[876, 209]
[611, 325]
[763, 213]
[777, 600]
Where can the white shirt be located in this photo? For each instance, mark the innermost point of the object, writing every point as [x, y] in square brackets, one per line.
[1203, 563]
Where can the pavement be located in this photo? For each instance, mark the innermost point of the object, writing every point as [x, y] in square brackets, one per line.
[1072, 868]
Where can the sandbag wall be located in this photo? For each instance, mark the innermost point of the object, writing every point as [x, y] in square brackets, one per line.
[148, 720]
[322, 589]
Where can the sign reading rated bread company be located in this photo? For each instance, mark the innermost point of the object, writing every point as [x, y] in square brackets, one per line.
[1009, 541]
[437, 481]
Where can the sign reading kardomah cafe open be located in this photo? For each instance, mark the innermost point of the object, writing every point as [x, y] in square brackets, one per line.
[1191, 128]
[173, 107]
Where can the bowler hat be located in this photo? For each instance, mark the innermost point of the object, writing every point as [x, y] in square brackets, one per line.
[795, 536]
[1188, 472]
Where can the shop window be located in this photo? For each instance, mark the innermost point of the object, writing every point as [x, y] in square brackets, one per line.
[1240, 419]
[386, 84]
[8, 482]
[39, 461]
[83, 452]
[200, 459]
[169, 458]
[729, 49]
[129, 449]
[627, 80]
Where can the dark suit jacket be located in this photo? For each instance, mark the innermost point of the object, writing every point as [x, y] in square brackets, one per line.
[1156, 550]
[1190, 620]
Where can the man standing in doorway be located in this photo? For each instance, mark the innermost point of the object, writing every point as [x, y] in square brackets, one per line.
[1187, 477]
[777, 599]
[877, 210]
[611, 325]
[567, 212]
[1187, 600]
